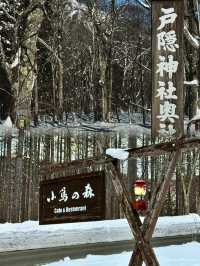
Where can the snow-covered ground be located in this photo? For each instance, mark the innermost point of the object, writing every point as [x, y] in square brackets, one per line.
[130, 122]
[177, 255]
[31, 235]
[133, 123]
[72, 128]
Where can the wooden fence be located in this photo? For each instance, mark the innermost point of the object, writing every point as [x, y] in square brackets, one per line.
[23, 155]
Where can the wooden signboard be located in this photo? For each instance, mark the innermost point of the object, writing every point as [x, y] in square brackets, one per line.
[167, 67]
[73, 199]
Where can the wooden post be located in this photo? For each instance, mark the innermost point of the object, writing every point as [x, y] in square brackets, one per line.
[156, 206]
[144, 247]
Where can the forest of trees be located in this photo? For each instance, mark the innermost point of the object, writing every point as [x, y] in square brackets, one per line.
[64, 56]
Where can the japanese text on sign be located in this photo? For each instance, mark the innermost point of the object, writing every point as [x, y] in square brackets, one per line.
[64, 194]
[166, 68]
[75, 198]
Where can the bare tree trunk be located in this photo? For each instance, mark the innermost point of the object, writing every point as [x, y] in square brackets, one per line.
[192, 56]
[36, 105]
[106, 83]
[27, 71]
[187, 182]
[60, 90]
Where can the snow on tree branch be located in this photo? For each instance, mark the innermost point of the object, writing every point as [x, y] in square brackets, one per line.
[117, 153]
[49, 48]
[5, 12]
[144, 3]
[16, 61]
[194, 82]
[192, 40]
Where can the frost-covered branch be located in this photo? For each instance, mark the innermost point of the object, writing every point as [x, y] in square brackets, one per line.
[144, 3]
[192, 40]
[5, 12]
[48, 48]
[6, 91]
[16, 60]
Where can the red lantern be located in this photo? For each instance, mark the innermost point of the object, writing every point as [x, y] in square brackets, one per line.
[140, 188]
[140, 191]
[140, 204]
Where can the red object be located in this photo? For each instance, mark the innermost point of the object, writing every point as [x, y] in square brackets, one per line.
[140, 183]
[140, 204]
[140, 188]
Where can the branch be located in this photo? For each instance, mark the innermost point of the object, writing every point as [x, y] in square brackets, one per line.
[32, 7]
[191, 39]
[194, 161]
[11, 18]
[49, 48]
[141, 107]
[3, 62]
[7, 92]
[144, 3]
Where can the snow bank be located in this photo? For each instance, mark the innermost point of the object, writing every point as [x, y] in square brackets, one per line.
[8, 123]
[7, 127]
[31, 235]
[179, 255]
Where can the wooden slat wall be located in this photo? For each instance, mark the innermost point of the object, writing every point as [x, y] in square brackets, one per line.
[21, 156]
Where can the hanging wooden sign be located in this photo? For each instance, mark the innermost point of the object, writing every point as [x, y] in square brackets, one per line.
[167, 67]
[73, 199]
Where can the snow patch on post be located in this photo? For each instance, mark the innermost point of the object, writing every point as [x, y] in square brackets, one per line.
[117, 153]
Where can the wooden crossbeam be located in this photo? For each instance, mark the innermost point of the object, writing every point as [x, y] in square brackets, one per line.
[150, 220]
[143, 250]
[181, 144]
[141, 232]
[144, 247]
[52, 168]
[150, 150]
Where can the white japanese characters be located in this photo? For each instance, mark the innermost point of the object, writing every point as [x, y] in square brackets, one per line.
[166, 68]
[169, 66]
[167, 41]
[168, 17]
[164, 93]
[52, 197]
[88, 193]
[65, 195]
[75, 195]
[167, 112]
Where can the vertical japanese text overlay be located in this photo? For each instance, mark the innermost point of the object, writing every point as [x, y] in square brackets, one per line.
[167, 75]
